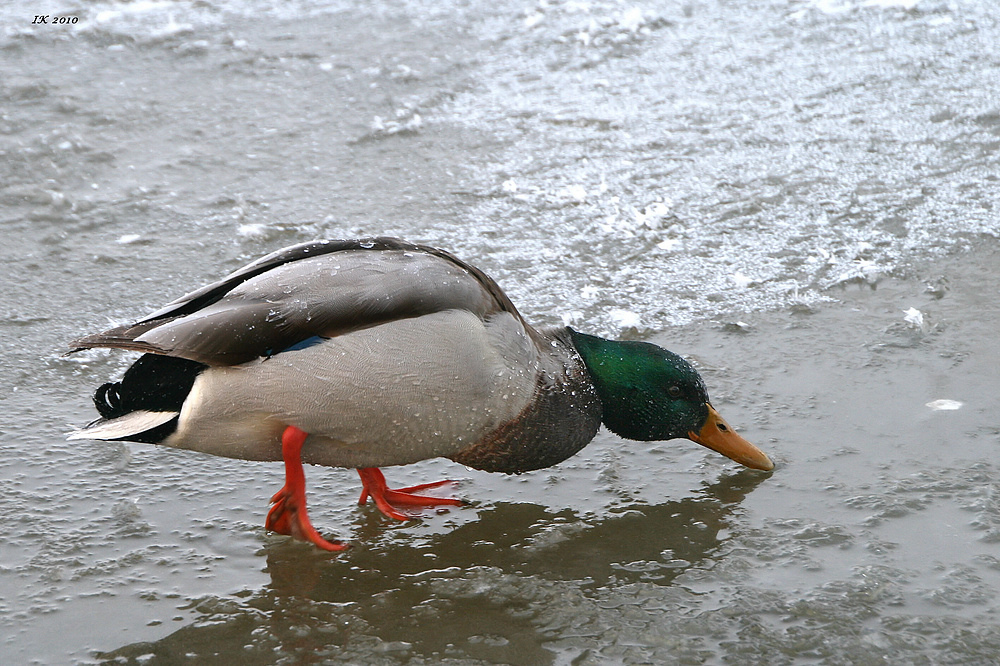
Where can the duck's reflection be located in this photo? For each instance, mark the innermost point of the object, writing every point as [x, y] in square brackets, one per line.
[472, 593]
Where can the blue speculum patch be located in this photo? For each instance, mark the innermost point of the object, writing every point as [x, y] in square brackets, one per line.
[304, 344]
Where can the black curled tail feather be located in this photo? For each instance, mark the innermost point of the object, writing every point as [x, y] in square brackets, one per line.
[108, 400]
[154, 384]
[145, 406]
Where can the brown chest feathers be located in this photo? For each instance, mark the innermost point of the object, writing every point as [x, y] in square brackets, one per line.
[562, 419]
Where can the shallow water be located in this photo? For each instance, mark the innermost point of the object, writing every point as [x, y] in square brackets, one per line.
[771, 189]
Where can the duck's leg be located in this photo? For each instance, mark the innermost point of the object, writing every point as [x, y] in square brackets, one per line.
[385, 497]
[288, 515]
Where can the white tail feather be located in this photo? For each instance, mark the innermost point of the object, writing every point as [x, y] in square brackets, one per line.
[131, 424]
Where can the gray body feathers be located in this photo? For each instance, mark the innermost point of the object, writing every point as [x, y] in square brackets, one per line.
[385, 352]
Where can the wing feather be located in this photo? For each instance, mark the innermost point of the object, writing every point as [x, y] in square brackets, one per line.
[324, 288]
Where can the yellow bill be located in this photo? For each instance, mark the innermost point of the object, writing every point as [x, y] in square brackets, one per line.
[719, 436]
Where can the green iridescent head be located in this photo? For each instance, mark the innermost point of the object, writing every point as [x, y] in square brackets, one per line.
[649, 393]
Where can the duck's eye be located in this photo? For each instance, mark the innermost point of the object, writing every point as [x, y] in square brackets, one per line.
[674, 391]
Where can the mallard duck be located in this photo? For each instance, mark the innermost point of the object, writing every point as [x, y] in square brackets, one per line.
[377, 352]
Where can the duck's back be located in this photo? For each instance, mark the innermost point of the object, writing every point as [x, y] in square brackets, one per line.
[324, 288]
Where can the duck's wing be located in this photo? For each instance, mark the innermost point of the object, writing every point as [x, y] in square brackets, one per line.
[320, 288]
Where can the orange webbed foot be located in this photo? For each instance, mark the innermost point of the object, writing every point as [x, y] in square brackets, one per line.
[288, 515]
[376, 487]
